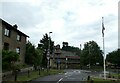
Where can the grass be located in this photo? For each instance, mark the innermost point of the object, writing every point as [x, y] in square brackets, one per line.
[114, 76]
[100, 80]
[93, 68]
[34, 74]
[19, 66]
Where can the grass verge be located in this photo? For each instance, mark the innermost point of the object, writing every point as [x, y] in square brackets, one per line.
[100, 80]
[34, 74]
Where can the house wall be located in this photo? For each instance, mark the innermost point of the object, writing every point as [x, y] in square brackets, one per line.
[13, 43]
[0, 52]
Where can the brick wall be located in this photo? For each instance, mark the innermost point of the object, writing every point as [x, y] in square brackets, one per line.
[13, 43]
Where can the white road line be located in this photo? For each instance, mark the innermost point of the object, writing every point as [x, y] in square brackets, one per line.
[59, 80]
[66, 76]
[66, 73]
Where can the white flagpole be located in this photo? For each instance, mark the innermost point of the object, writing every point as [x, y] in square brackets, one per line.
[103, 48]
[104, 59]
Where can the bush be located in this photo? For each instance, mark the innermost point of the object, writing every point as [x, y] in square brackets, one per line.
[20, 66]
[8, 59]
[118, 76]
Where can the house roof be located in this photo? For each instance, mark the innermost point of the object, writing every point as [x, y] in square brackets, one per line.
[75, 57]
[12, 27]
[67, 54]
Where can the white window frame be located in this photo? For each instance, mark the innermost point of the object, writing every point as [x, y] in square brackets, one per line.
[18, 50]
[18, 37]
[7, 32]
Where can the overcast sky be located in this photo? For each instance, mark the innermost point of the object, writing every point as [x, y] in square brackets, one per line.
[73, 21]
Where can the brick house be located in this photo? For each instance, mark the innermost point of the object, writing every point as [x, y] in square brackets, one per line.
[64, 59]
[13, 39]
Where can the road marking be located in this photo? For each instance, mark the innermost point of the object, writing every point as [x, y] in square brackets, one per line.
[66, 73]
[66, 76]
[59, 80]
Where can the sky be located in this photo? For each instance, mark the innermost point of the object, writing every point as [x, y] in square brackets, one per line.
[72, 21]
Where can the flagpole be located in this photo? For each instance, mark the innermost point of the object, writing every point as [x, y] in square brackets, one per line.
[103, 49]
[104, 58]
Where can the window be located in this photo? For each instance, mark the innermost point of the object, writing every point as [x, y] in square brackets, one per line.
[6, 46]
[18, 37]
[7, 32]
[18, 50]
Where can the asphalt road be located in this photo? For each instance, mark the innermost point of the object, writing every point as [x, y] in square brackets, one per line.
[70, 76]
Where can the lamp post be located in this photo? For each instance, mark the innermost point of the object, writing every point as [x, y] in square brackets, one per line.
[48, 53]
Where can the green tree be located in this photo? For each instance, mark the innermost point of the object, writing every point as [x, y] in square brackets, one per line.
[30, 53]
[33, 55]
[8, 59]
[39, 57]
[114, 57]
[91, 54]
[71, 48]
[44, 45]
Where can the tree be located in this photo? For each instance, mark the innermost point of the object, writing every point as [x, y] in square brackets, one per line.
[91, 54]
[30, 53]
[33, 55]
[8, 59]
[71, 48]
[44, 44]
[113, 57]
[65, 44]
[39, 56]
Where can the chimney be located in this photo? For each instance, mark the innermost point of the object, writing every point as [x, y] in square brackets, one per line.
[15, 26]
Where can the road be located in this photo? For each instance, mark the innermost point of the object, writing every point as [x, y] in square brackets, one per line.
[71, 76]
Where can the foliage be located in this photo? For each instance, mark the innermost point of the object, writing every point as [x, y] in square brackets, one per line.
[72, 49]
[39, 56]
[91, 54]
[30, 53]
[44, 45]
[33, 55]
[113, 57]
[34, 74]
[20, 66]
[101, 80]
[65, 44]
[8, 59]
